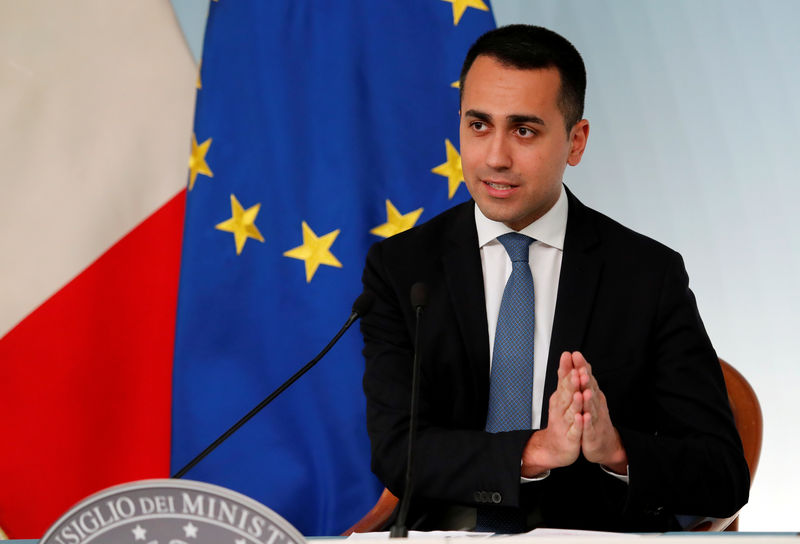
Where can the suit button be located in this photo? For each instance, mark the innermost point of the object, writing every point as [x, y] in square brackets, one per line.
[477, 496]
[497, 498]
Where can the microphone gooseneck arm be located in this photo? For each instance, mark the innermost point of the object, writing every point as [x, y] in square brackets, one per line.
[361, 306]
[419, 298]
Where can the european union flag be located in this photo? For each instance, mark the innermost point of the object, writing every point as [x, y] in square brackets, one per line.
[320, 127]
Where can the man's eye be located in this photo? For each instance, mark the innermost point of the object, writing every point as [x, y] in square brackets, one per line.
[478, 125]
[525, 132]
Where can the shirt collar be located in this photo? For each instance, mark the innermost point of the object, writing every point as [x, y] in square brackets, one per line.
[549, 229]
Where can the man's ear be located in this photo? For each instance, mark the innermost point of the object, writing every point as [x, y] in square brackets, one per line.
[577, 141]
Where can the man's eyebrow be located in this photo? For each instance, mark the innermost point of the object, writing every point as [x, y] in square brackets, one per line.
[514, 118]
[478, 115]
[517, 119]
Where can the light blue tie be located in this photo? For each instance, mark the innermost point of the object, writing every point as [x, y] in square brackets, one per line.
[511, 382]
[510, 390]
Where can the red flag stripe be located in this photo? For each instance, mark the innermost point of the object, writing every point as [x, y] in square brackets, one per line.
[86, 379]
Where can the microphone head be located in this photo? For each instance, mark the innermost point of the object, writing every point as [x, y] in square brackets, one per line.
[363, 304]
[419, 295]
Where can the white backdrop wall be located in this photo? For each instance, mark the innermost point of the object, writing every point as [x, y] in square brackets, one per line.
[694, 109]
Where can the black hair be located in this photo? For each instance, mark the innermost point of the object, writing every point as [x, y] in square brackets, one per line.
[528, 47]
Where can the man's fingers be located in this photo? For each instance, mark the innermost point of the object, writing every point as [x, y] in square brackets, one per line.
[561, 400]
[575, 379]
[579, 361]
[562, 437]
[588, 398]
[562, 397]
[575, 430]
[568, 383]
[566, 403]
[584, 369]
[564, 364]
[588, 426]
[576, 407]
[585, 378]
[594, 404]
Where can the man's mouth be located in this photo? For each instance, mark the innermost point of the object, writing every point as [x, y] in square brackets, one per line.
[499, 186]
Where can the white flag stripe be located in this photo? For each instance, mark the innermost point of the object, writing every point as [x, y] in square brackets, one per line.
[96, 109]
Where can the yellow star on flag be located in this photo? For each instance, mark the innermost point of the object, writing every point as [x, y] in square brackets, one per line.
[242, 224]
[197, 161]
[456, 84]
[315, 251]
[199, 84]
[460, 6]
[395, 221]
[451, 169]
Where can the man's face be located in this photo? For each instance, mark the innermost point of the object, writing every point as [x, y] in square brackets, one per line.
[514, 144]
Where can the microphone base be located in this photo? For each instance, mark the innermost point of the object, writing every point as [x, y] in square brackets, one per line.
[398, 531]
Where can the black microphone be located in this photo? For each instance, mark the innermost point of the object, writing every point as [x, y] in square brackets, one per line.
[419, 299]
[361, 307]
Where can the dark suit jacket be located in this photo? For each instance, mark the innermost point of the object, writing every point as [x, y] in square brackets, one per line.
[624, 302]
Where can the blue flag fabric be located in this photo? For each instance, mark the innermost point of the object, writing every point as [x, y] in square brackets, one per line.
[320, 127]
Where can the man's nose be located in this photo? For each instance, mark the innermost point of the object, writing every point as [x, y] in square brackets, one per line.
[499, 156]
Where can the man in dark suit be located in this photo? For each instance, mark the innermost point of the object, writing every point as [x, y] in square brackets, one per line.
[628, 424]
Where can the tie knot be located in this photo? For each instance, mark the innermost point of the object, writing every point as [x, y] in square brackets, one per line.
[516, 245]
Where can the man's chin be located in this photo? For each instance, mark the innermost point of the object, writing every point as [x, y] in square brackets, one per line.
[500, 215]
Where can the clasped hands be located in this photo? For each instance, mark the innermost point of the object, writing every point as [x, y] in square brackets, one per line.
[578, 422]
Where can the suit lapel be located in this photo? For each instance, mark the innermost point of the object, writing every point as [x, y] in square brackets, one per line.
[461, 261]
[580, 272]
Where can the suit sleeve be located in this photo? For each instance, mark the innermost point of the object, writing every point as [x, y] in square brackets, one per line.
[456, 464]
[692, 463]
